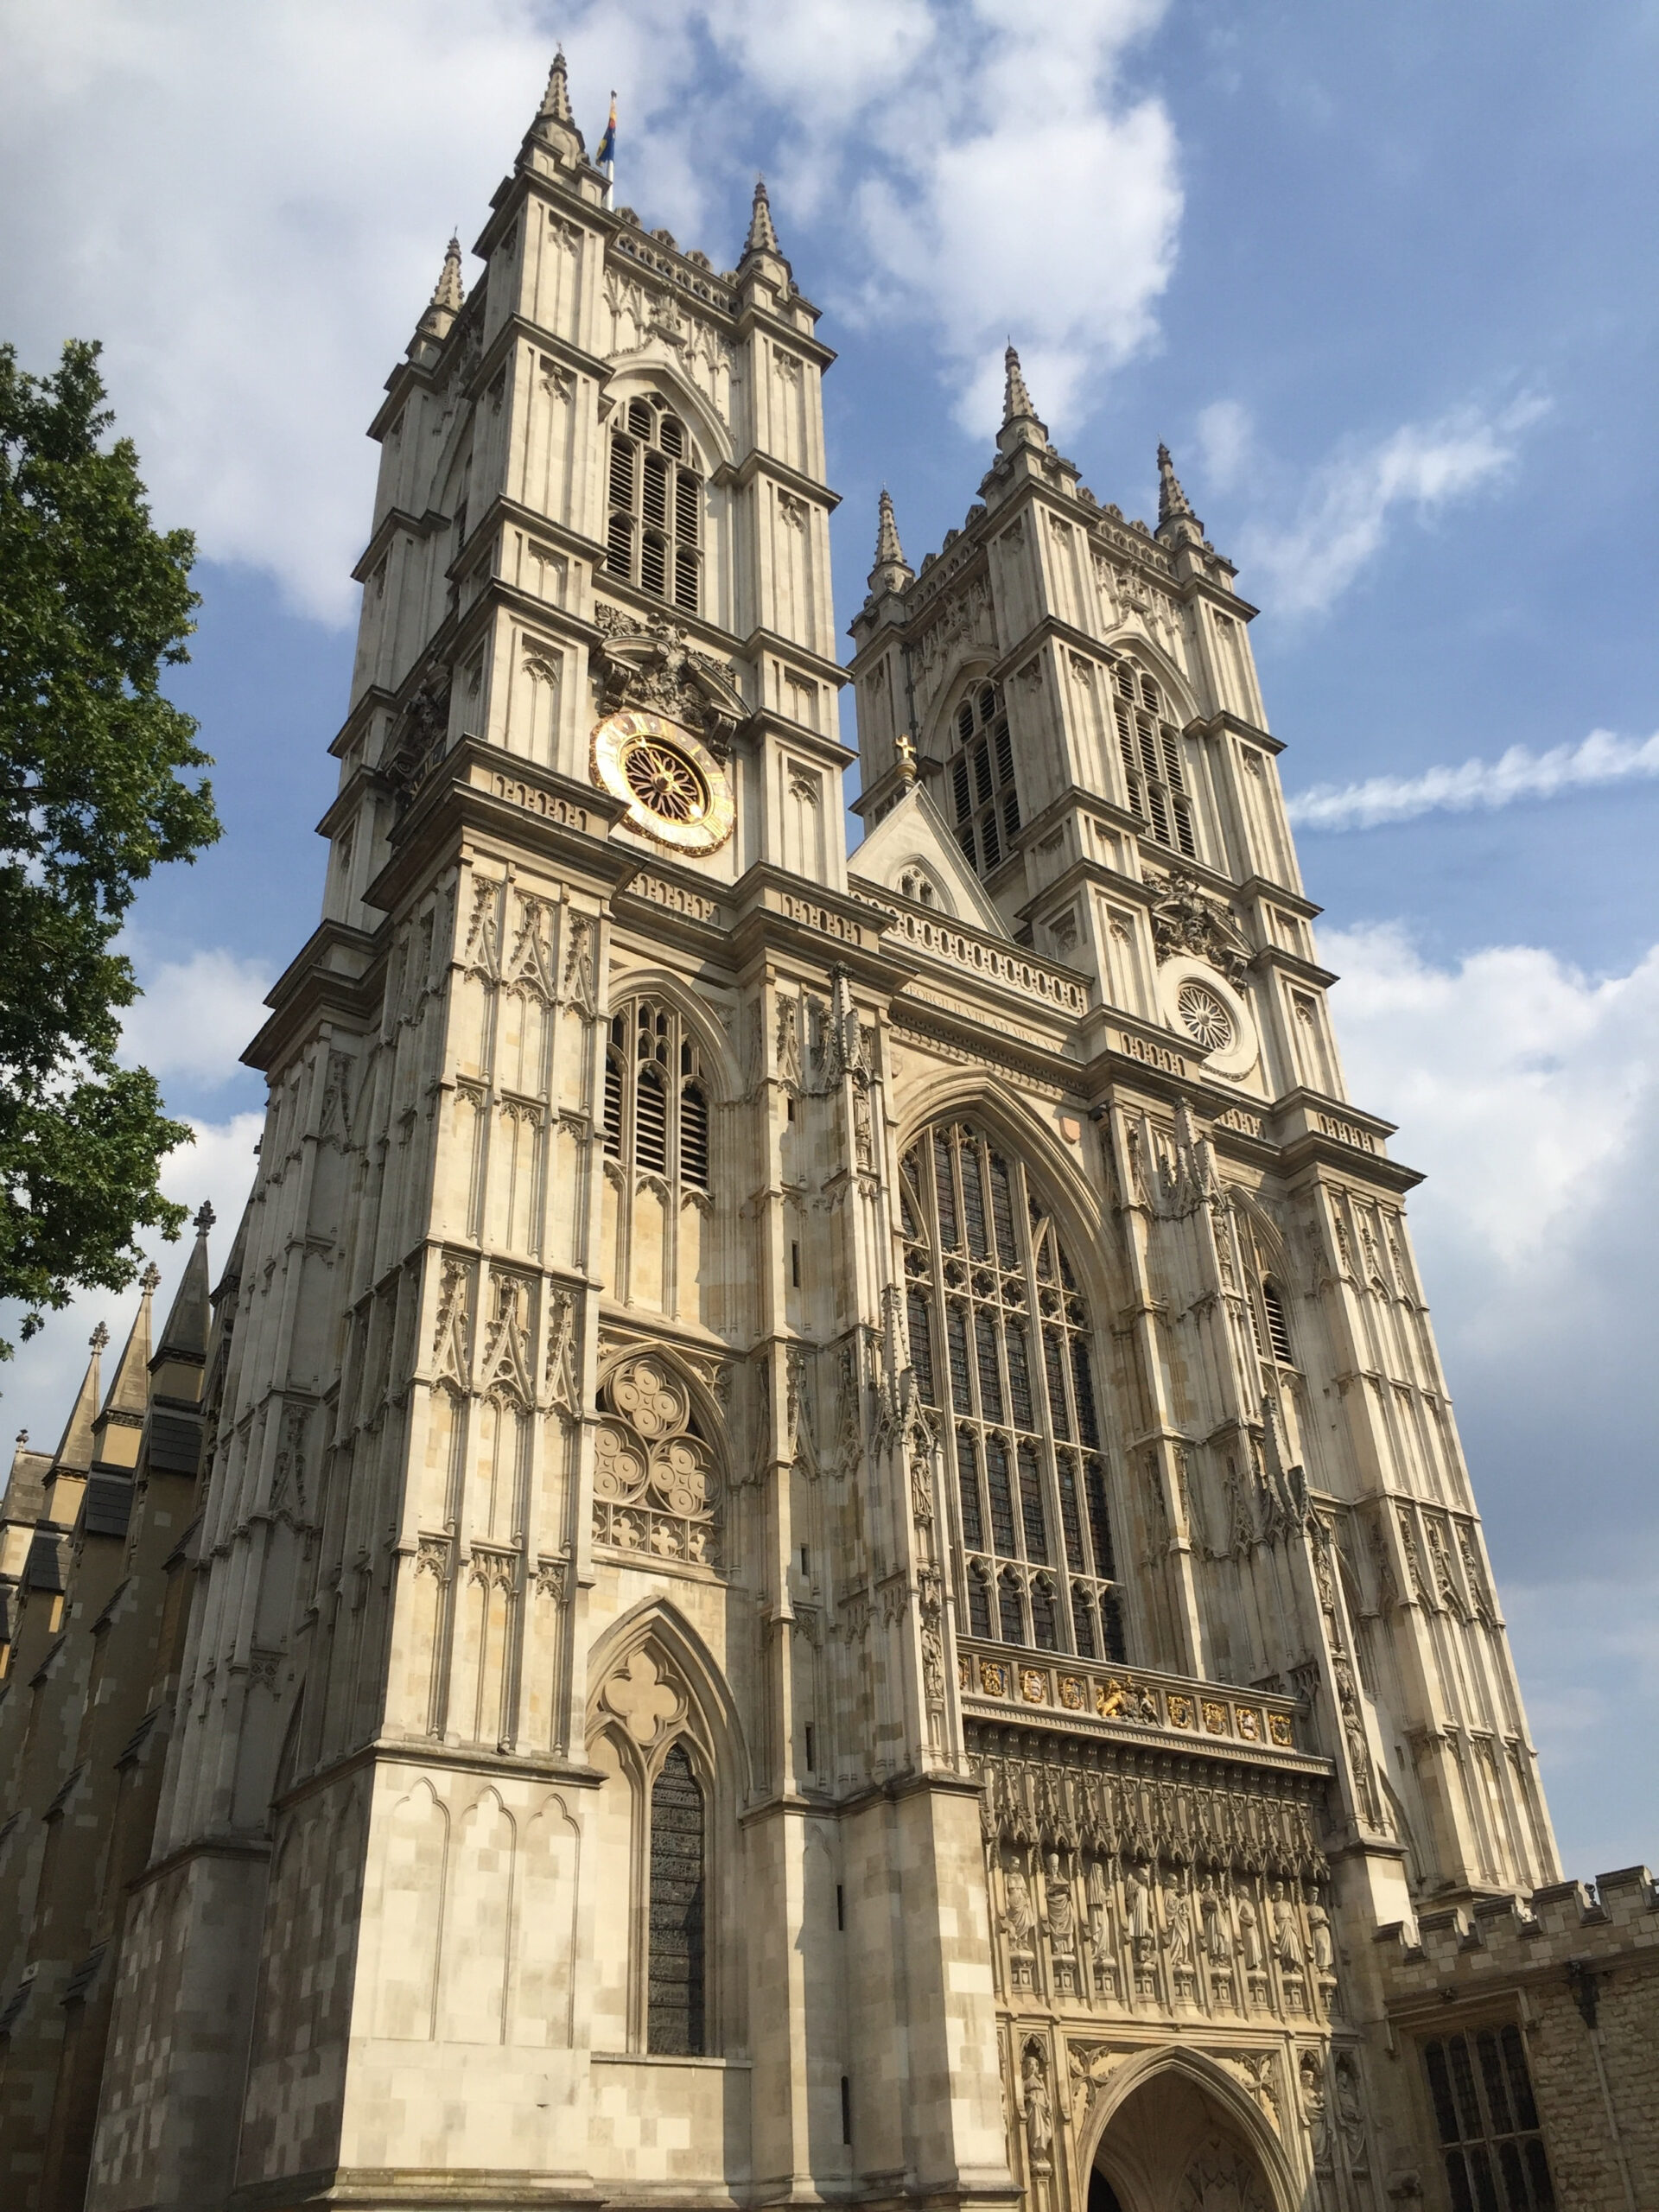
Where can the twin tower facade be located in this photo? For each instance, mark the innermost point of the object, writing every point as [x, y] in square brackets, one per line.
[829, 1561]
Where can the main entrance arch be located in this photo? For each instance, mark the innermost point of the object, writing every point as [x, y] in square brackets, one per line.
[1179, 2135]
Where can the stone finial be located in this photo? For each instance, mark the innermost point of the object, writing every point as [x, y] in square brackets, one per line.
[1175, 515]
[448, 292]
[23, 1438]
[205, 1217]
[101, 1337]
[556, 100]
[892, 571]
[763, 238]
[150, 1279]
[1022, 425]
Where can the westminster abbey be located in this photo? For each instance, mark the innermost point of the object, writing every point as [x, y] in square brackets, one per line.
[808, 1548]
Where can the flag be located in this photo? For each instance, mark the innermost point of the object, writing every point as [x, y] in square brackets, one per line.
[607, 144]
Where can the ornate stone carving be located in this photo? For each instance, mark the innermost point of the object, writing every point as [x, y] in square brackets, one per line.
[650, 663]
[645, 1698]
[654, 1486]
[1038, 2104]
[1188, 919]
[451, 1338]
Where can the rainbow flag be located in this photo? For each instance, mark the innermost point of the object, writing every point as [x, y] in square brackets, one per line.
[607, 144]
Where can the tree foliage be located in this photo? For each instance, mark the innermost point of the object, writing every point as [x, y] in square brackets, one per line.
[95, 792]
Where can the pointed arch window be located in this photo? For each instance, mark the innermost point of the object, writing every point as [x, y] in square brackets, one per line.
[654, 535]
[675, 2007]
[1000, 1343]
[979, 777]
[1153, 752]
[656, 1095]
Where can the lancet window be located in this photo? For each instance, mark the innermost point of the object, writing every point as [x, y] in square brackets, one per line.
[655, 1096]
[1151, 752]
[981, 780]
[675, 1966]
[1001, 1345]
[654, 533]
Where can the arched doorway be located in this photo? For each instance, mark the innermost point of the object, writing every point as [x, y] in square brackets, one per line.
[1175, 2143]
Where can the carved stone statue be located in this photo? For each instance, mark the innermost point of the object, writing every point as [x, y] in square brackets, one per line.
[1250, 1939]
[1139, 1888]
[1100, 1907]
[1062, 1910]
[1019, 1917]
[1325, 1955]
[1217, 1943]
[1039, 2110]
[1287, 1936]
[1177, 1927]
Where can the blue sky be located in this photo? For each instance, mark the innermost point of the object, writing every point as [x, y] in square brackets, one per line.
[1381, 277]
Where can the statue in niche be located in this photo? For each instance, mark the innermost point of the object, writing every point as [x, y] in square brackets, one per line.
[1062, 1910]
[1039, 2111]
[1018, 1919]
[1099, 1908]
[1249, 1938]
[1139, 1888]
[1178, 1925]
[1217, 1943]
[1286, 1937]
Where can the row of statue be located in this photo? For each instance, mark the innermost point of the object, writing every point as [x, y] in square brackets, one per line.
[1198, 1925]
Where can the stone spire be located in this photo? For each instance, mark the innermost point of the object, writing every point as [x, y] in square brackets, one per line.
[763, 238]
[556, 100]
[445, 303]
[130, 1391]
[74, 1454]
[892, 571]
[1020, 423]
[1175, 516]
[184, 1333]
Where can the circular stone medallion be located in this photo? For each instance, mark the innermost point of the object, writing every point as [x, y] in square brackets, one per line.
[675, 791]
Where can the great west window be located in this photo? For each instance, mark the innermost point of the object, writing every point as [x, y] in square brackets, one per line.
[1488, 2122]
[1153, 766]
[981, 780]
[1000, 1341]
[654, 535]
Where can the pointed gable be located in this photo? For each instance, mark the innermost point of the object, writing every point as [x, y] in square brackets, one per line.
[915, 841]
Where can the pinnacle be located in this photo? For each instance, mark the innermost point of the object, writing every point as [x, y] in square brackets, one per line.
[556, 101]
[888, 548]
[205, 1217]
[1174, 508]
[1016, 400]
[448, 292]
[763, 238]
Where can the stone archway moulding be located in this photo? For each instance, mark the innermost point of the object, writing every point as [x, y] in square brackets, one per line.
[1212, 2082]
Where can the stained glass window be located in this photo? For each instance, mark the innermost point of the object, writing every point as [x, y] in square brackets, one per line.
[675, 2024]
[1488, 2123]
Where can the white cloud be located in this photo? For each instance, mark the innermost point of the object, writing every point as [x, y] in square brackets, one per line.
[1599, 758]
[195, 1016]
[1226, 439]
[273, 188]
[39, 1384]
[1350, 500]
[1529, 1093]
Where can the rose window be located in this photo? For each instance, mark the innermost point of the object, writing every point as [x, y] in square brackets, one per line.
[655, 1487]
[665, 782]
[1205, 1018]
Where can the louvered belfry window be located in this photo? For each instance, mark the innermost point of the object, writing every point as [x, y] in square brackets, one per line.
[656, 1098]
[1001, 1345]
[675, 2010]
[1151, 752]
[654, 504]
[981, 781]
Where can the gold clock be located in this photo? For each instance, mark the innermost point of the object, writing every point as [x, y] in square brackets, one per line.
[674, 789]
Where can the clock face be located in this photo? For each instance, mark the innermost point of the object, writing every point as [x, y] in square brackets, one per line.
[675, 791]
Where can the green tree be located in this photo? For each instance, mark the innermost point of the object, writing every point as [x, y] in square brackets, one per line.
[94, 604]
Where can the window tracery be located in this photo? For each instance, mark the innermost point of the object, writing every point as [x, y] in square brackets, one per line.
[656, 1489]
[981, 780]
[1000, 1343]
[655, 1096]
[674, 2012]
[1153, 768]
[654, 530]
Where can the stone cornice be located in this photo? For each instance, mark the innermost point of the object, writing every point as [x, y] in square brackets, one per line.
[740, 474]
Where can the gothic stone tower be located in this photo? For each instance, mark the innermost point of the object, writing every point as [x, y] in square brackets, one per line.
[835, 1564]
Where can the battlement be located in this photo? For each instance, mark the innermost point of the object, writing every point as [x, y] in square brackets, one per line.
[1503, 1939]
